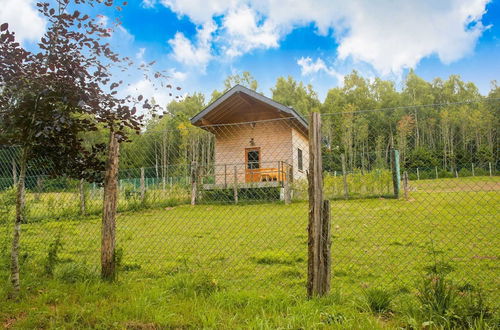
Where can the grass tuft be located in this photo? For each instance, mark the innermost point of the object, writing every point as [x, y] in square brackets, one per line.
[378, 300]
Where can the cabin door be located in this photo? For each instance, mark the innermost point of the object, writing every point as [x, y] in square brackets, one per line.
[252, 164]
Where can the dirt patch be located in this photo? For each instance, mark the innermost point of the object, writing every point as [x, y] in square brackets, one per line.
[9, 323]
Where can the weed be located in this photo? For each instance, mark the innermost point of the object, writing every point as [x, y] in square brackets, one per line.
[199, 284]
[75, 272]
[53, 255]
[378, 300]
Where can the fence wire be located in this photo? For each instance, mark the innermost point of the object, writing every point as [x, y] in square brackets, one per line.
[230, 202]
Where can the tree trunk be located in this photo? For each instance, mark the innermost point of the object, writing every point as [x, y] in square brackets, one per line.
[108, 267]
[20, 208]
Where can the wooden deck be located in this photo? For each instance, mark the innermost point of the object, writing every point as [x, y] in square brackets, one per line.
[248, 185]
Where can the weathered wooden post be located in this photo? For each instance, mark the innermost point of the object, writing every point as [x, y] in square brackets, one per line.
[143, 186]
[235, 185]
[473, 173]
[344, 176]
[286, 188]
[194, 182]
[436, 169]
[418, 174]
[405, 184]
[396, 175]
[108, 266]
[456, 173]
[83, 202]
[489, 165]
[318, 264]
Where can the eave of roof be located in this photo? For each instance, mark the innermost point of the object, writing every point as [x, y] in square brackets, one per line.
[251, 93]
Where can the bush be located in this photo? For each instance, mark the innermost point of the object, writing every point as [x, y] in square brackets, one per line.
[198, 284]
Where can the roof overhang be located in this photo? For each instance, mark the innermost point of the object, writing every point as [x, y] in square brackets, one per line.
[242, 105]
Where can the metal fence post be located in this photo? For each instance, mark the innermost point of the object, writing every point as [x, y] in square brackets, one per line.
[405, 184]
[396, 175]
[143, 186]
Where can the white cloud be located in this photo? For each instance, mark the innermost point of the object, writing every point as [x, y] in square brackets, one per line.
[191, 54]
[389, 35]
[309, 67]
[23, 19]
[244, 33]
[148, 3]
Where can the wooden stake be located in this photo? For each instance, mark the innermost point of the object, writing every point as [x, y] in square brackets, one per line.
[437, 177]
[83, 203]
[418, 174]
[344, 174]
[286, 183]
[235, 186]
[396, 175]
[143, 186]
[318, 262]
[108, 266]
[194, 182]
[473, 173]
[491, 172]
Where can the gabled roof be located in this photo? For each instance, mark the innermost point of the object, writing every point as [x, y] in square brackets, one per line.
[227, 105]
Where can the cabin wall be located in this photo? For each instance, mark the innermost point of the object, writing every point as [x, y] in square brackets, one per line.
[274, 139]
[299, 141]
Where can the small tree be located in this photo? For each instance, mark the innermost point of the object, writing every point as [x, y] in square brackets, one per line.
[50, 98]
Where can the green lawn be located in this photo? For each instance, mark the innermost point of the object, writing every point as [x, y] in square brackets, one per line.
[226, 266]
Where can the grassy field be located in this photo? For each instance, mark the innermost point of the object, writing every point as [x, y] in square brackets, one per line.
[229, 266]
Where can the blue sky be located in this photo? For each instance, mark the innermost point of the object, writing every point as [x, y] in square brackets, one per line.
[200, 42]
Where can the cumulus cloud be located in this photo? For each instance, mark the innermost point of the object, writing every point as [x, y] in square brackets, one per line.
[389, 35]
[196, 54]
[309, 67]
[23, 19]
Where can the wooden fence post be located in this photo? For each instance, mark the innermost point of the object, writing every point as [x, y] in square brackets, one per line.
[318, 263]
[83, 202]
[418, 174]
[437, 176]
[456, 173]
[344, 174]
[108, 265]
[396, 175]
[473, 173]
[194, 182]
[405, 184]
[489, 165]
[286, 188]
[143, 186]
[235, 186]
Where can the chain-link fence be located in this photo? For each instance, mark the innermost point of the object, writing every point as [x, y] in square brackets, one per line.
[229, 201]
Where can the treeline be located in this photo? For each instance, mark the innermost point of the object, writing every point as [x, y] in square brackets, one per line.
[362, 119]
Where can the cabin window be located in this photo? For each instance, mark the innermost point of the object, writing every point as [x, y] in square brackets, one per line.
[299, 159]
[253, 159]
